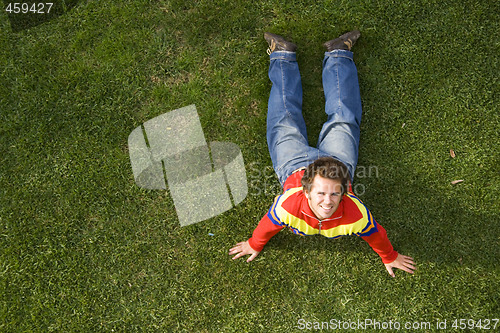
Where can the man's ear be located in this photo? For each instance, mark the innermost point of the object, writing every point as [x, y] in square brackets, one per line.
[307, 194]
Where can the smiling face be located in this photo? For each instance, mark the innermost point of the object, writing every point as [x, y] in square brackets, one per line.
[324, 196]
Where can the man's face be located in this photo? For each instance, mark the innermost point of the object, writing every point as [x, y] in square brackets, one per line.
[324, 197]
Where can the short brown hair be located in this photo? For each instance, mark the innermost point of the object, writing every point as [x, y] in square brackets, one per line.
[326, 167]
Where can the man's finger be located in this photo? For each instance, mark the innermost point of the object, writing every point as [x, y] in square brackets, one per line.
[233, 250]
[236, 248]
[406, 264]
[252, 257]
[238, 255]
[406, 269]
[408, 260]
[389, 269]
[410, 266]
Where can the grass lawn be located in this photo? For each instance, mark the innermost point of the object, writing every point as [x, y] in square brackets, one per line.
[83, 248]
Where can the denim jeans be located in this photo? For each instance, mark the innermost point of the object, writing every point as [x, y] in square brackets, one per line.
[286, 130]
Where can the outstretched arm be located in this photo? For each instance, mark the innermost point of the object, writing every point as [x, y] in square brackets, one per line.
[391, 259]
[380, 243]
[261, 235]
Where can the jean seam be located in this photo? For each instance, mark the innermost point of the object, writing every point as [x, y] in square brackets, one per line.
[283, 89]
[338, 88]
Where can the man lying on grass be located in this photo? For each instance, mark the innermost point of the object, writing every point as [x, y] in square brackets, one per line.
[317, 197]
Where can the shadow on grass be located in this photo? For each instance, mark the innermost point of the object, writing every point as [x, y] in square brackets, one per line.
[421, 223]
[35, 13]
[441, 226]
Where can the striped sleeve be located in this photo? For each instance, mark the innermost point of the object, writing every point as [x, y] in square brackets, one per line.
[380, 243]
[272, 215]
[264, 231]
[271, 223]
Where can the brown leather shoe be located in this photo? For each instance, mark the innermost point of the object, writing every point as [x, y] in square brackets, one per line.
[278, 43]
[344, 42]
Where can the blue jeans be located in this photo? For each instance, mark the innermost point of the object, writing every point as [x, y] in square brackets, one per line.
[286, 129]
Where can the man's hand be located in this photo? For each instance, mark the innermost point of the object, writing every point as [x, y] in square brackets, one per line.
[243, 248]
[402, 262]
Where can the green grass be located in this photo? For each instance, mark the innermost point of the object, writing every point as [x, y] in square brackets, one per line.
[84, 249]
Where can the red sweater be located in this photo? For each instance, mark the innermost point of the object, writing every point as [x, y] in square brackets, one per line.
[291, 209]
